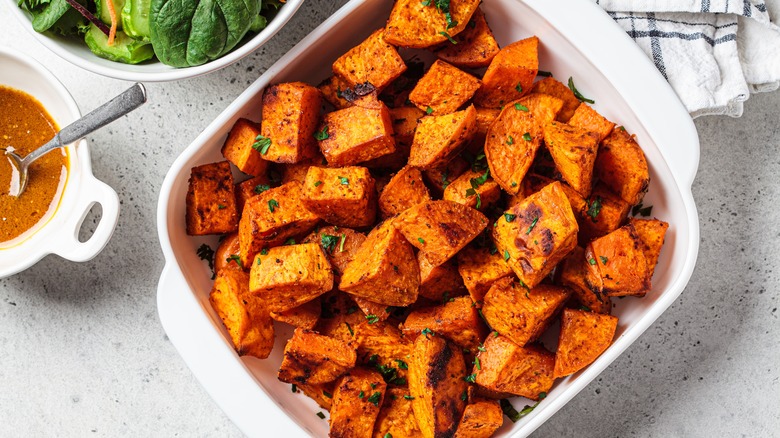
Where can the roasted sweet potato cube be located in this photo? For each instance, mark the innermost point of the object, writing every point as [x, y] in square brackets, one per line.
[436, 382]
[440, 177]
[248, 189]
[381, 345]
[572, 273]
[584, 336]
[357, 134]
[475, 189]
[404, 124]
[373, 311]
[271, 218]
[332, 89]
[322, 393]
[509, 368]
[651, 233]
[602, 213]
[510, 147]
[356, 403]
[227, 255]
[574, 151]
[533, 183]
[519, 313]
[438, 139]
[419, 24]
[457, 320]
[245, 317]
[543, 107]
[587, 118]
[211, 200]
[485, 118]
[475, 46]
[340, 245]
[384, 269]
[440, 228]
[481, 419]
[343, 197]
[238, 148]
[312, 358]
[296, 172]
[618, 262]
[405, 189]
[621, 166]
[438, 282]
[304, 316]
[551, 87]
[510, 75]
[338, 317]
[396, 419]
[443, 89]
[290, 115]
[288, 276]
[480, 268]
[374, 61]
[542, 233]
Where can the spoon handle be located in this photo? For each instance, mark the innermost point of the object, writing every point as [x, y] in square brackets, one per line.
[101, 116]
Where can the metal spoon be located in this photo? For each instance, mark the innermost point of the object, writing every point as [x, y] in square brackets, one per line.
[101, 116]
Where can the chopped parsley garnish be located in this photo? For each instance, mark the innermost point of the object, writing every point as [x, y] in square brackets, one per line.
[388, 435]
[640, 209]
[471, 378]
[506, 255]
[220, 207]
[445, 34]
[260, 188]
[294, 388]
[603, 259]
[349, 327]
[477, 363]
[520, 107]
[527, 136]
[261, 144]
[321, 415]
[465, 395]
[206, 253]
[341, 243]
[290, 241]
[361, 394]
[476, 182]
[510, 411]
[408, 397]
[533, 224]
[426, 331]
[514, 183]
[509, 217]
[594, 208]
[511, 141]
[543, 73]
[323, 134]
[481, 347]
[428, 110]
[421, 240]
[328, 242]
[272, 204]
[235, 258]
[444, 181]
[401, 364]
[592, 261]
[344, 180]
[264, 251]
[372, 319]
[374, 398]
[577, 94]
[327, 394]
[317, 183]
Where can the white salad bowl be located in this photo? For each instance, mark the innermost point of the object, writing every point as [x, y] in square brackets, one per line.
[75, 51]
[579, 40]
[58, 232]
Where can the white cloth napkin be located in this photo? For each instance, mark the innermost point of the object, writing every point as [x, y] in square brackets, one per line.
[714, 53]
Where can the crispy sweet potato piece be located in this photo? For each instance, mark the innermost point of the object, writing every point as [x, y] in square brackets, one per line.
[602, 213]
[618, 263]
[339, 255]
[373, 311]
[419, 25]
[621, 166]
[405, 189]
[586, 117]
[404, 124]
[542, 233]
[290, 115]
[374, 61]
[332, 89]
[543, 107]
[227, 255]
[534, 183]
[436, 382]
[312, 358]
[343, 197]
[480, 268]
[351, 415]
[476, 45]
[211, 200]
[272, 217]
[438, 139]
[651, 233]
[248, 189]
[338, 317]
[384, 269]
[509, 368]
[475, 189]
[457, 320]
[519, 313]
[572, 273]
[510, 147]
[238, 148]
[381, 345]
[443, 89]
[510, 75]
[396, 419]
[357, 134]
[574, 152]
[304, 316]
[322, 393]
[481, 419]
[436, 281]
[552, 87]
[439, 178]
[290, 275]
[584, 336]
[245, 317]
[440, 228]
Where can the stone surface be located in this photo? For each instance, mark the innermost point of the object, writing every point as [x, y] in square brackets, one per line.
[82, 352]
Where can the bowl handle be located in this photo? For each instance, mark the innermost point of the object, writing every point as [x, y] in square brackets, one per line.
[69, 246]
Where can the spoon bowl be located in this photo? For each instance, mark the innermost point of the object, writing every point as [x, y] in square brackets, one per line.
[18, 176]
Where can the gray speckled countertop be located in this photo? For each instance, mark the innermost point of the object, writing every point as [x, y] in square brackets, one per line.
[82, 351]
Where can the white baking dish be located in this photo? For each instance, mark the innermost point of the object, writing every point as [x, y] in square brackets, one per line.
[580, 41]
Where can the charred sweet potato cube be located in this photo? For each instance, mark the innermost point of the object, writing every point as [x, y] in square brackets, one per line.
[510, 147]
[509, 368]
[436, 281]
[239, 150]
[476, 45]
[542, 233]
[396, 419]
[248, 189]
[373, 311]
[457, 320]
[339, 316]
[440, 228]
[480, 268]
[353, 415]
[227, 255]
[357, 134]
[572, 273]
[602, 213]
[440, 177]
[438, 139]
[587, 118]
[290, 275]
[374, 61]
[381, 345]
[343, 197]
[519, 313]
[510, 75]
[420, 24]
[245, 317]
[574, 152]
[304, 316]
[481, 419]
[332, 89]
[340, 245]
[443, 89]
[436, 382]
[651, 233]
[211, 200]
[405, 190]
[384, 269]
[290, 115]
[322, 393]
[617, 262]
[584, 336]
[271, 218]
[475, 189]
[552, 87]
[311, 358]
[621, 166]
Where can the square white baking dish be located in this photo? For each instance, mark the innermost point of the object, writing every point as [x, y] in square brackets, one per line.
[580, 41]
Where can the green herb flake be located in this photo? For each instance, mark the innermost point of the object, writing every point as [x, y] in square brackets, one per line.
[401, 364]
[514, 184]
[481, 347]
[506, 255]
[471, 378]
[477, 363]
[260, 188]
[290, 241]
[349, 327]
[272, 204]
[361, 395]
[603, 260]
[388, 435]
[205, 252]
[428, 110]
[321, 415]
[510, 411]
[520, 107]
[327, 394]
[646, 211]
[592, 261]
[344, 180]
[527, 136]
[509, 217]
[323, 134]
[372, 319]
[464, 395]
[375, 398]
[220, 207]
[544, 74]
[409, 397]
[328, 242]
[510, 141]
[577, 94]
[421, 240]
[594, 208]
[261, 144]
[447, 35]
[317, 183]
[264, 251]
[341, 242]
[235, 258]
[519, 89]
[426, 331]
[533, 224]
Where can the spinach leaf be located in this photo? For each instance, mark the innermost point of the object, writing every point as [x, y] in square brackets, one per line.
[54, 15]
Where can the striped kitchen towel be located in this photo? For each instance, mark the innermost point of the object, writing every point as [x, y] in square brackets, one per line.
[714, 53]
